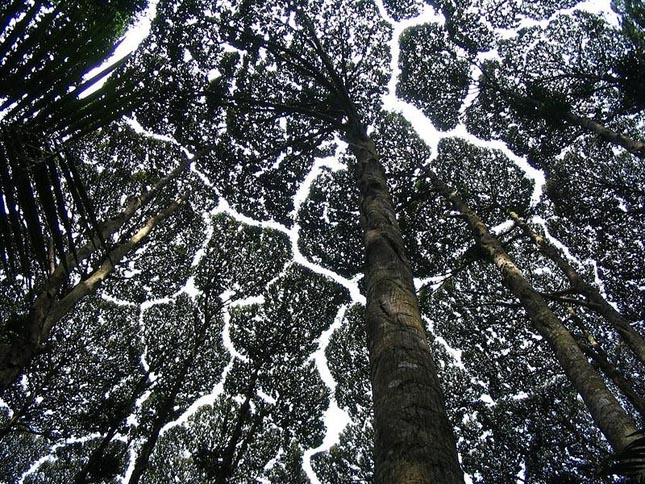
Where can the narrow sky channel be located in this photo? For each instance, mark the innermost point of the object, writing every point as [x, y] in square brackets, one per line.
[335, 418]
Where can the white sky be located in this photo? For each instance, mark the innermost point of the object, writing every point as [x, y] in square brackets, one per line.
[335, 419]
[131, 40]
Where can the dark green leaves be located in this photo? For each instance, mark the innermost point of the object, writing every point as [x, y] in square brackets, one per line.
[434, 77]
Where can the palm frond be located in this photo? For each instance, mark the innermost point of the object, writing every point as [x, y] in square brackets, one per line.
[630, 462]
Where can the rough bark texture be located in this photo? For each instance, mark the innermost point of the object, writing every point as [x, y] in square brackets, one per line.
[600, 360]
[606, 411]
[597, 302]
[414, 440]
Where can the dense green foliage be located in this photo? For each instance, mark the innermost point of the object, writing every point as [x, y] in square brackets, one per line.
[215, 349]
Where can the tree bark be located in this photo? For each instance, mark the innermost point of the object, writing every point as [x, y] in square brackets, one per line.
[17, 351]
[82, 476]
[143, 459]
[163, 415]
[414, 442]
[122, 413]
[633, 146]
[600, 359]
[598, 303]
[226, 467]
[606, 411]
[166, 409]
[46, 311]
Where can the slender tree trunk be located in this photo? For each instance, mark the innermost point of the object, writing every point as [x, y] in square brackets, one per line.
[143, 459]
[633, 146]
[166, 411]
[626, 388]
[597, 302]
[162, 417]
[90, 284]
[594, 350]
[228, 458]
[599, 358]
[46, 311]
[605, 409]
[414, 439]
[96, 456]
[121, 415]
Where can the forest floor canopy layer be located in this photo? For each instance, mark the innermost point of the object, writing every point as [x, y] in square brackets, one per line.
[326, 241]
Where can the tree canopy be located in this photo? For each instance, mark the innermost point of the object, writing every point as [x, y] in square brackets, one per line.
[322, 241]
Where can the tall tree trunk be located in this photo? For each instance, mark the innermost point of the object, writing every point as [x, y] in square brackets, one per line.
[121, 414]
[414, 442]
[229, 460]
[163, 416]
[609, 416]
[143, 459]
[597, 302]
[83, 475]
[600, 359]
[166, 410]
[414, 439]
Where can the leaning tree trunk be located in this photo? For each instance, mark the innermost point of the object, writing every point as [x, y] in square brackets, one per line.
[606, 411]
[19, 347]
[600, 360]
[163, 414]
[635, 147]
[166, 411]
[414, 440]
[83, 476]
[47, 310]
[597, 302]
